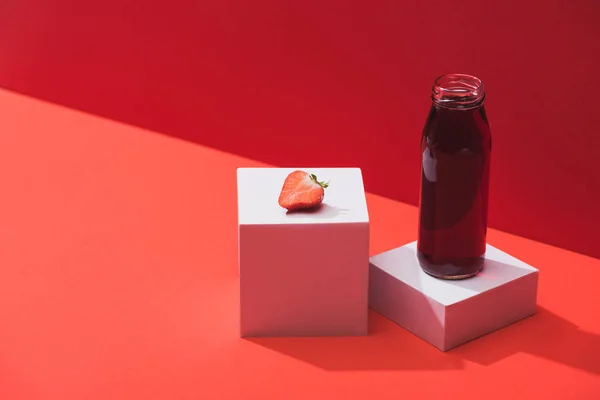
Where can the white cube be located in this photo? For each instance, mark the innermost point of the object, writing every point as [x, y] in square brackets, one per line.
[303, 273]
[447, 313]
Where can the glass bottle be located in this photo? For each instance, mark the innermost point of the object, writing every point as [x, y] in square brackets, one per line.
[453, 206]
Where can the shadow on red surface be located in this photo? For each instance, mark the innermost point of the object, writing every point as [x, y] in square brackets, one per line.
[389, 347]
[545, 335]
[337, 84]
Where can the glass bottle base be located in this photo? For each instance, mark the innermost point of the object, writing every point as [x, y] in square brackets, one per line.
[452, 277]
[450, 269]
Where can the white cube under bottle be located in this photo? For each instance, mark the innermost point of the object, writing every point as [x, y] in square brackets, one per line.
[447, 313]
[303, 273]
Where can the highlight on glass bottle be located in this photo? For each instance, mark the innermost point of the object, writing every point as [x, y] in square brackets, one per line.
[453, 205]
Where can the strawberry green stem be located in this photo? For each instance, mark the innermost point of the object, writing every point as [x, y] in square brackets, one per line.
[323, 184]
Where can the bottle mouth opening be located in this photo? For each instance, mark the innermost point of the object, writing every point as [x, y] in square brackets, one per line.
[458, 91]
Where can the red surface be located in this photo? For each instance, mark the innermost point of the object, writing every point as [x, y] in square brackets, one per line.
[118, 280]
[345, 81]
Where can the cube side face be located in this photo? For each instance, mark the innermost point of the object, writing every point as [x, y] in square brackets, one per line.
[491, 310]
[303, 280]
[406, 306]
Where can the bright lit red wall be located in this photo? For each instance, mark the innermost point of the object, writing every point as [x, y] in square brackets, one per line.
[335, 82]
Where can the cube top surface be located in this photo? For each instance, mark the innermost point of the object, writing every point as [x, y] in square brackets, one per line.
[259, 188]
[499, 268]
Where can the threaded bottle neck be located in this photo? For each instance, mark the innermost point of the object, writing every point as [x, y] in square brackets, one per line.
[458, 91]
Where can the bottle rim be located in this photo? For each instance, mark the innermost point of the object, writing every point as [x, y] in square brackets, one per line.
[458, 91]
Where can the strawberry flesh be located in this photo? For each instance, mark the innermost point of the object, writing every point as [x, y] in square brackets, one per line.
[301, 190]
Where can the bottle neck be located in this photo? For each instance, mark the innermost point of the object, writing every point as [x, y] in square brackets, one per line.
[458, 92]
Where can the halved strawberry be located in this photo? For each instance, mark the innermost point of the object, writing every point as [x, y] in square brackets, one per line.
[301, 190]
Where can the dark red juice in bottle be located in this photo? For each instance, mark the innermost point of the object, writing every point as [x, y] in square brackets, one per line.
[455, 155]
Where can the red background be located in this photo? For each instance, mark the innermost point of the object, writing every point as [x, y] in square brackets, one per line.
[118, 262]
[337, 83]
